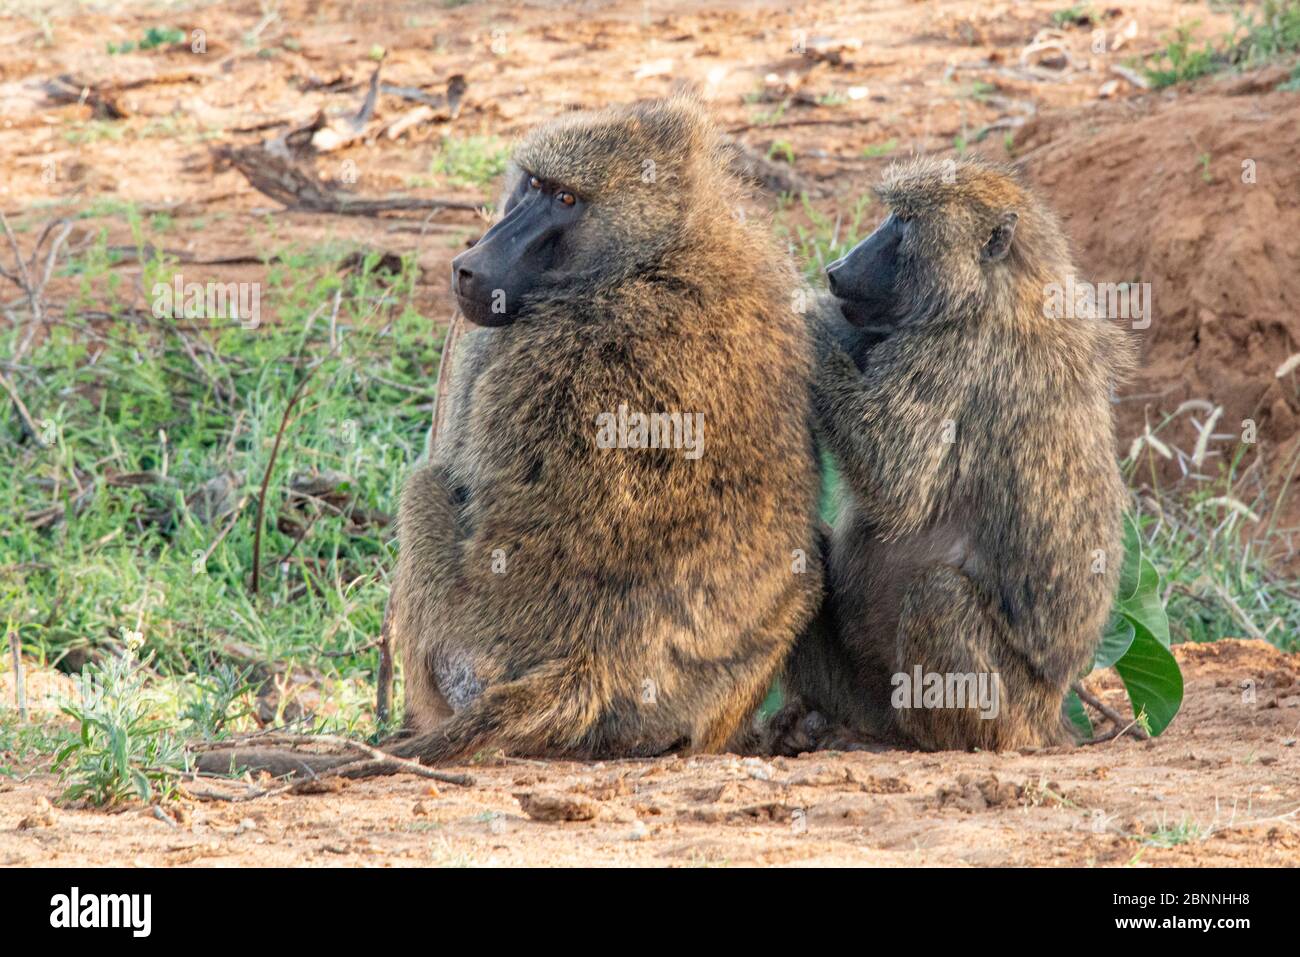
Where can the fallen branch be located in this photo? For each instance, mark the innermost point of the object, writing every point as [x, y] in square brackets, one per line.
[260, 752]
[1120, 725]
[456, 87]
[761, 171]
[1137, 79]
[284, 182]
[70, 89]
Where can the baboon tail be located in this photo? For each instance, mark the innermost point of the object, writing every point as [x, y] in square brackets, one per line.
[550, 711]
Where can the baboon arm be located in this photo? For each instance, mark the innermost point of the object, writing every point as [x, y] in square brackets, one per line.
[430, 535]
[549, 711]
[888, 437]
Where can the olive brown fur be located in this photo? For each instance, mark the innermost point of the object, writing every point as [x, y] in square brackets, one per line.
[557, 598]
[981, 529]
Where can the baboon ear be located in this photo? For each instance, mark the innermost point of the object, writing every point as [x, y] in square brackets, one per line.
[999, 243]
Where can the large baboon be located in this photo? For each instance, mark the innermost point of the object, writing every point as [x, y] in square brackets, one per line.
[981, 530]
[556, 595]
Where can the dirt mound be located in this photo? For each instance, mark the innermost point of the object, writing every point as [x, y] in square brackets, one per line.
[1220, 787]
[1198, 194]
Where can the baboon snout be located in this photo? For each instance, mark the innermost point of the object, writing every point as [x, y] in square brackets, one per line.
[832, 277]
[482, 299]
[865, 278]
[462, 281]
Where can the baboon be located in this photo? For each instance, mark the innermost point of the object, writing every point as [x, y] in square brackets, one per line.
[981, 529]
[556, 597]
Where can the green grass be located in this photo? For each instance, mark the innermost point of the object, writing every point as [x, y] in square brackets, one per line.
[1075, 14]
[880, 149]
[1260, 34]
[824, 239]
[472, 161]
[781, 150]
[1218, 543]
[1181, 61]
[1186, 831]
[92, 131]
[153, 38]
[138, 427]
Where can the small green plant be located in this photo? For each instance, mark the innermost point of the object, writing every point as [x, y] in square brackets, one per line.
[92, 131]
[880, 149]
[774, 115]
[473, 161]
[1186, 831]
[783, 150]
[1081, 14]
[218, 699]
[1179, 61]
[153, 38]
[123, 749]
[24, 740]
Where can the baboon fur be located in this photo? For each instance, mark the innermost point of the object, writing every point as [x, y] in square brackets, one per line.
[647, 599]
[981, 521]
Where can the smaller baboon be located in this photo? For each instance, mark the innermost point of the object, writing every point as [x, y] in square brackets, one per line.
[556, 596]
[980, 532]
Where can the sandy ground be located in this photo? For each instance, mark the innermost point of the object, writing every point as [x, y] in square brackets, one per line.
[1223, 781]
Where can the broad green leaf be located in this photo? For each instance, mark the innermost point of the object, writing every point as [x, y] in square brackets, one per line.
[1073, 708]
[1130, 571]
[1151, 678]
[1115, 642]
[1145, 606]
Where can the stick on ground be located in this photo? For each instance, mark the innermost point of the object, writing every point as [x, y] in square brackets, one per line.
[276, 754]
[1120, 724]
[20, 689]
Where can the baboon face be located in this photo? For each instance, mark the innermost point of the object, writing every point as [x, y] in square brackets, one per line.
[591, 199]
[491, 279]
[866, 280]
[946, 240]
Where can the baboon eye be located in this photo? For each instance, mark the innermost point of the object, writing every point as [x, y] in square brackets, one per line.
[568, 199]
[534, 182]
